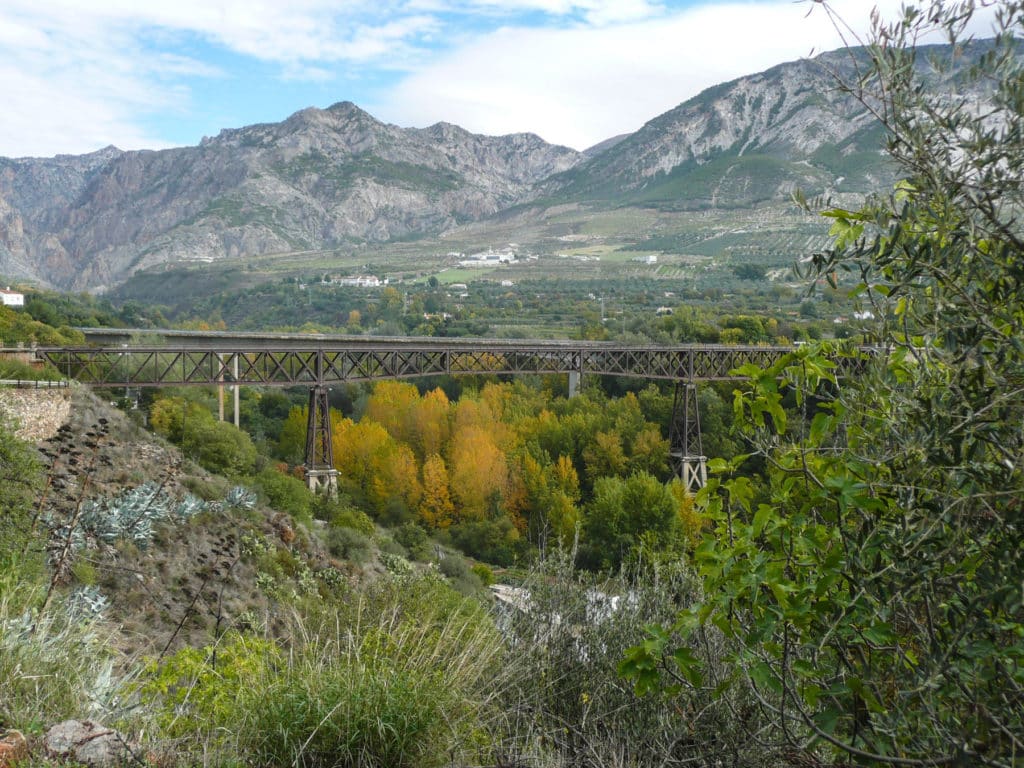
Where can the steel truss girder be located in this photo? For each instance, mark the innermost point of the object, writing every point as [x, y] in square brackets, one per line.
[158, 366]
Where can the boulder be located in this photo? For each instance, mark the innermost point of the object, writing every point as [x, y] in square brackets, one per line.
[89, 743]
[13, 747]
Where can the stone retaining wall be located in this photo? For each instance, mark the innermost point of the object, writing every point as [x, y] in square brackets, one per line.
[37, 413]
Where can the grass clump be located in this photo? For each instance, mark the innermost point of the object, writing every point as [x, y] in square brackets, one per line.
[395, 675]
[53, 665]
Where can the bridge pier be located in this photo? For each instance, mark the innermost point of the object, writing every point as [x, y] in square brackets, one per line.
[220, 386]
[686, 450]
[576, 375]
[320, 472]
[574, 383]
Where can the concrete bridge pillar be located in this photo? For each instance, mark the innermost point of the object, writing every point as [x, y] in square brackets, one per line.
[576, 375]
[220, 386]
[686, 450]
[574, 383]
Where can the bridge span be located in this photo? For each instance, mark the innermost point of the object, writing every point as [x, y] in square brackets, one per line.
[153, 358]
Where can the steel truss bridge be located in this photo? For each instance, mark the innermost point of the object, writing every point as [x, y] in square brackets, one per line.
[317, 361]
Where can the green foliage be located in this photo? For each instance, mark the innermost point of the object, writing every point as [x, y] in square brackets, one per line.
[872, 587]
[415, 541]
[198, 687]
[18, 326]
[50, 662]
[20, 371]
[286, 493]
[483, 572]
[627, 515]
[217, 445]
[748, 271]
[494, 541]
[396, 677]
[340, 513]
[349, 544]
[461, 575]
[291, 441]
[21, 479]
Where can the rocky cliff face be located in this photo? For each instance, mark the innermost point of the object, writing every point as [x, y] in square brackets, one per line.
[739, 143]
[320, 179]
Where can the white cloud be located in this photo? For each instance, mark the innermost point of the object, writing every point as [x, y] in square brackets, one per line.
[580, 85]
[79, 75]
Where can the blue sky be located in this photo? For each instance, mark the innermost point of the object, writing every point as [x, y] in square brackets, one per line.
[77, 75]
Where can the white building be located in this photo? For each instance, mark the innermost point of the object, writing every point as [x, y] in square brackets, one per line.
[488, 259]
[12, 298]
[360, 281]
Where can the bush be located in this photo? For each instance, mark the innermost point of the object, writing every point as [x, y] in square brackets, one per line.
[415, 540]
[349, 544]
[217, 446]
[286, 494]
[495, 541]
[398, 676]
[562, 683]
[460, 574]
[341, 514]
[484, 573]
[51, 665]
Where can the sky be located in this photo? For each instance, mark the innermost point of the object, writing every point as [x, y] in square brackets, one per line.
[78, 75]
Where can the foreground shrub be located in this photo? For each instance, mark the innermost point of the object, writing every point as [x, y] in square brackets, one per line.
[565, 700]
[396, 675]
[53, 665]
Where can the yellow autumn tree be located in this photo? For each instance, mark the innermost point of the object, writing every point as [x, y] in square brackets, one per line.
[552, 492]
[478, 470]
[650, 451]
[394, 480]
[436, 509]
[355, 444]
[431, 425]
[391, 404]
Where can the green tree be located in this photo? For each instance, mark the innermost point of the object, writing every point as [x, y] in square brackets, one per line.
[286, 493]
[626, 514]
[872, 594]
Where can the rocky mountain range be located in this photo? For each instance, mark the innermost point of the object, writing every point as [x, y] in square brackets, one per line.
[740, 143]
[337, 177]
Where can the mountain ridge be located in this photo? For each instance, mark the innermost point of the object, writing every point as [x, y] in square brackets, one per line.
[334, 178]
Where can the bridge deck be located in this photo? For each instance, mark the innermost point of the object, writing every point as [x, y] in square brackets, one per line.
[305, 362]
[210, 357]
